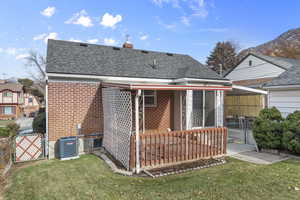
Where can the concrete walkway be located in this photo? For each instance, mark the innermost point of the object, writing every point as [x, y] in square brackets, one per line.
[248, 153]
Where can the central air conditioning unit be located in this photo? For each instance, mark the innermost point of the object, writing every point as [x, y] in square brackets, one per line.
[68, 148]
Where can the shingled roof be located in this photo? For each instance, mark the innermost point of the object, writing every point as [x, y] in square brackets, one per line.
[289, 77]
[89, 59]
[16, 87]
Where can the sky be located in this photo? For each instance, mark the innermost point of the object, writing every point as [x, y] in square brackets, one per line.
[180, 26]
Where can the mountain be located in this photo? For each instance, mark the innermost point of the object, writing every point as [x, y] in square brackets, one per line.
[286, 45]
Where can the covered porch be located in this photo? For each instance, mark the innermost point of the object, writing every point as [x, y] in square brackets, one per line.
[148, 126]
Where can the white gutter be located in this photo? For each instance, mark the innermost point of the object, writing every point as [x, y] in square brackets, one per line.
[110, 78]
[282, 86]
[126, 79]
[238, 87]
[201, 80]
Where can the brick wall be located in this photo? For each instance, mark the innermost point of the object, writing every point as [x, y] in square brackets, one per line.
[71, 103]
[161, 116]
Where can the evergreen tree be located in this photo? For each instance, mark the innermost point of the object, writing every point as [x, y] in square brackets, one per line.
[223, 54]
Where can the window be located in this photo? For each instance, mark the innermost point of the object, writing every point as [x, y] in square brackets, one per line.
[197, 108]
[250, 62]
[8, 94]
[150, 98]
[30, 100]
[8, 110]
[203, 109]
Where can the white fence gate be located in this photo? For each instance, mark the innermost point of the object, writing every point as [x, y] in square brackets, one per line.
[29, 147]
[117, 112]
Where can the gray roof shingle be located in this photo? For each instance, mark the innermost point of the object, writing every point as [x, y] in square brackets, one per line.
[72, 58]
[289, 77]
[16, 87]
[285, 63]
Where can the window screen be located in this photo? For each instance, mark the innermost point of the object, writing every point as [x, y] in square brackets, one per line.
[197, 108]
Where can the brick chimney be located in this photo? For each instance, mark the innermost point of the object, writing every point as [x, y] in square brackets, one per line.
[127, 44]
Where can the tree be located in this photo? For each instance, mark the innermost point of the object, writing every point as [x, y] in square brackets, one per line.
[26, 82]
[223, 55]
[38, 62]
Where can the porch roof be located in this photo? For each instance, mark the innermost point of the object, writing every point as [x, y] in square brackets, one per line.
[133, 86]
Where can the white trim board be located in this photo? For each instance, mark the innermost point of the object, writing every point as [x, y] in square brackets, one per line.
[130, 79]
[239, 87]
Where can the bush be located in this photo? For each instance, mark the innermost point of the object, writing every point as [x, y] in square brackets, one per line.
[291, 133]
[4, 132]
[13, 128]
[39, 123]
[267, 129]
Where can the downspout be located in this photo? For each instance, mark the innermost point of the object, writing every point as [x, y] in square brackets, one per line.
[137, 135]
[47, 130]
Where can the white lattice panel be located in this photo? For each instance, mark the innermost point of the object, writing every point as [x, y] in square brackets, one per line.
[117, 111]
[29, 147]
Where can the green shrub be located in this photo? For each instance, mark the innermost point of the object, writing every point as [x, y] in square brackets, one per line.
[39, 123]
[291, 133]
[13, 128]
[4, 132]
[267, 129]
[272, 114]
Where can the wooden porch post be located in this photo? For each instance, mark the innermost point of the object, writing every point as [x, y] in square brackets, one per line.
[137, 135]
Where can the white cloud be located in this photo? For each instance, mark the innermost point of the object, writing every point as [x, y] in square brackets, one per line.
[50, 36]
[74, 40]
[48, 12]
[40, 36]
[166, 26]
[45, 36]
[93, 41]
[80, 18]
[185, 20]
[109, 41]
[175, 3]
[11, 51]
[22, 56]
[198, 8]
[109, 20]
[144, 37]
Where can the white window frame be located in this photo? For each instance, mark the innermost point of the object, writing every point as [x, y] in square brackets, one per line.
[203, 113]
[12, 110]
[7, 92]
[154, 95]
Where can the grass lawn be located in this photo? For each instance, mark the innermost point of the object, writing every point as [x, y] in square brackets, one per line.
[3, 123]
[89, 178]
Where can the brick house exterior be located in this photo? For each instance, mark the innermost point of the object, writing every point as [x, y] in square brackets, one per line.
[77, 73]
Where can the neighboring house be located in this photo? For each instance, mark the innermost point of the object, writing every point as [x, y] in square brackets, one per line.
[123, 91]
[14, 103]
[284, 91]
[31, 104]
[249, 76]
[11, 99]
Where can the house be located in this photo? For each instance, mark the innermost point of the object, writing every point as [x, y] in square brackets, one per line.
[11, 99]
[14, 103]
[249, 76]
[284, 91]
[145, 103]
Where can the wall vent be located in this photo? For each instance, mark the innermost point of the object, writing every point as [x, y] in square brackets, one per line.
[83, 45]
